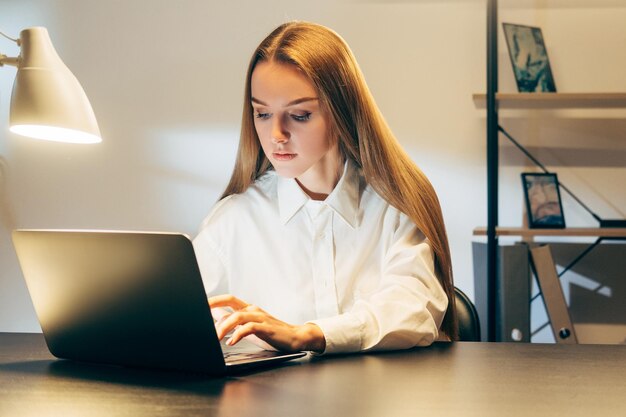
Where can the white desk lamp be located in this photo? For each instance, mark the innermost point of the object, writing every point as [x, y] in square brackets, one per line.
[47, 101]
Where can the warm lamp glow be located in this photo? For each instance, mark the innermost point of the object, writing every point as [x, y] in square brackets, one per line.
[47, 101]
[57, 134]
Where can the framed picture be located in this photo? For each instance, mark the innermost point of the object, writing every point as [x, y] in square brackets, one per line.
[529, 58]
[543, 201]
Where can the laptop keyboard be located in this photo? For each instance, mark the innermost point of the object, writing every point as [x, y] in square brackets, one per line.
[232, 357]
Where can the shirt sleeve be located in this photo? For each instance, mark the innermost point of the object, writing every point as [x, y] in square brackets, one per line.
[405, 310]
[210, 262]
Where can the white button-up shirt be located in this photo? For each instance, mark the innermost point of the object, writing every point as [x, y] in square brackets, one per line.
[352, 264]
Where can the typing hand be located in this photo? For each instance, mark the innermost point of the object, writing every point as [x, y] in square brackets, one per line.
[220, 313]
[247, 319]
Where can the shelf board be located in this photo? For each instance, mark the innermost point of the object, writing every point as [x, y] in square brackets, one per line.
[560, 4]
[554, 100]
[613, 232]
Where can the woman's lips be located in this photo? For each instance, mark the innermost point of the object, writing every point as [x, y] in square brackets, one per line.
[283, 156]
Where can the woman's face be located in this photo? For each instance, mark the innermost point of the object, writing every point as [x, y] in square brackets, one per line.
[291, 125]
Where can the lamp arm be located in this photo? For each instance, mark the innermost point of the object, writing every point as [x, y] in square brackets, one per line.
[7, 60]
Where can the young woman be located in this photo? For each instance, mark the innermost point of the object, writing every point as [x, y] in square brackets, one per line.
[328, 238]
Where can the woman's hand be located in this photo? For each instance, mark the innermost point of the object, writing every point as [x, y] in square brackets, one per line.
[247, 319]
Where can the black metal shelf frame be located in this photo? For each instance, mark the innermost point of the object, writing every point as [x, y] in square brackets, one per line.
[492, 165]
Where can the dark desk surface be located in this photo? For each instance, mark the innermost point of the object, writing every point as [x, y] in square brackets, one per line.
[446, 379]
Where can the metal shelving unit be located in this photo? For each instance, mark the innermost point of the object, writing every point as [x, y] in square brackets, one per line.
[492, 101]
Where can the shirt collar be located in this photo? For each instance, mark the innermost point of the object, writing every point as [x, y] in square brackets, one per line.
[291, 198]
[344, 199]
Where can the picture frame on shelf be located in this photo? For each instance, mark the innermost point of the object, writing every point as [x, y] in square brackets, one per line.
[543, 200]
[529, 58]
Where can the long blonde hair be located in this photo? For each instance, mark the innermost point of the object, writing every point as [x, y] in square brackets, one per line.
[364, 136]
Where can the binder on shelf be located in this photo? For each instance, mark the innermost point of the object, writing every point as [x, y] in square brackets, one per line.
[512, 288]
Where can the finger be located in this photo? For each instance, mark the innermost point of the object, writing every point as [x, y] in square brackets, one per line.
[219, 313]
[267, 334]
[238, 319]
[247, 329]
[227, 300]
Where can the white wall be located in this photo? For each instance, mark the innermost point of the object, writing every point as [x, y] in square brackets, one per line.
[166, 82]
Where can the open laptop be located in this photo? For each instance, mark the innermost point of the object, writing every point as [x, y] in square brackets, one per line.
[127, 298]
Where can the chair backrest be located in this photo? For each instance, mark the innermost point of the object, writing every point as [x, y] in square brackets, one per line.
[469, 324]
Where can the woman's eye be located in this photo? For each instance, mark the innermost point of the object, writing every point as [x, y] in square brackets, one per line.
[260, 115]
[301, 117]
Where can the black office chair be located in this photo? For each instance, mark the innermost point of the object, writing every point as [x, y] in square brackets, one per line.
[469, 324]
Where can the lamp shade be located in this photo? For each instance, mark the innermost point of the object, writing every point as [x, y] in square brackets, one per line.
[47, 101]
